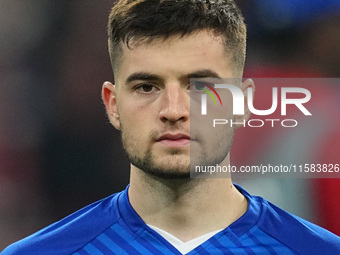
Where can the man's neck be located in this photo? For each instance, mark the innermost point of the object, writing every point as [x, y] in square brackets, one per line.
[185, 208]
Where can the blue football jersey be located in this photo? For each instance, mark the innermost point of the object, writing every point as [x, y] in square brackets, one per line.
[111, 226]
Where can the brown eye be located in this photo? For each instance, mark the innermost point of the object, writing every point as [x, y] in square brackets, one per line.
[146, 87]
[198, 85]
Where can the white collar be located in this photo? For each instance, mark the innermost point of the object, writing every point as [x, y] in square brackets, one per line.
[184, 247]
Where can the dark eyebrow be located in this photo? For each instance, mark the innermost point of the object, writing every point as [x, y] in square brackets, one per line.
[141, 76]
[204, 73]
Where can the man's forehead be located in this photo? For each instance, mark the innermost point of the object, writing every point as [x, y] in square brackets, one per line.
[202, 45]
[200, 35]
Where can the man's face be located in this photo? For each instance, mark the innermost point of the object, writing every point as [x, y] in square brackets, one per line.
[150, 102]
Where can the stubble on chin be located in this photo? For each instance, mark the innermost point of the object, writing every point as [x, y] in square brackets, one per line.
[173, 167]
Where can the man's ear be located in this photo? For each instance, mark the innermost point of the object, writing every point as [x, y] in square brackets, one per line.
[110, 101]
[245, 86]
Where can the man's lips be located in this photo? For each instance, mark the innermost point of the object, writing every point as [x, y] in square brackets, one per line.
[174, 140]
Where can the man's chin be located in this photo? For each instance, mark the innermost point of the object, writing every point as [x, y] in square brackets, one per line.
[168, 174]
[168, 167]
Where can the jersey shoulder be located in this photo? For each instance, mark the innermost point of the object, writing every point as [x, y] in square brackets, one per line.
[71, 233]
[298, 234]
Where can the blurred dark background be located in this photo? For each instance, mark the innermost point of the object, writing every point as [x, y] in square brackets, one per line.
[58, 152]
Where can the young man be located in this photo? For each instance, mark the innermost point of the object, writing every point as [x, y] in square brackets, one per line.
[156, 47]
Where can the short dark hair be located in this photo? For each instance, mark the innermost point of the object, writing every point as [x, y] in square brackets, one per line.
[145, 20]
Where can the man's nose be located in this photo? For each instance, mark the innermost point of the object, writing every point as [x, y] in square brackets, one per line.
[175, 104]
